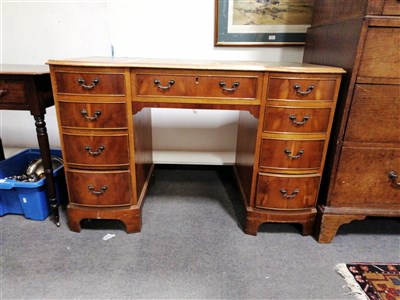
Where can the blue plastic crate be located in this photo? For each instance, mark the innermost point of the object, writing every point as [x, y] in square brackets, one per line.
[28, 198]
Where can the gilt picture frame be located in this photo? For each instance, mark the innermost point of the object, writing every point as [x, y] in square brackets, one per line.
[262, 22]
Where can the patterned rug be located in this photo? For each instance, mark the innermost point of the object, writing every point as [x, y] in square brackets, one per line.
[372, 280]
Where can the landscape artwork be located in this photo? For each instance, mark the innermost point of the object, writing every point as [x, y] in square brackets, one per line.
[270, 15]
[262, 22]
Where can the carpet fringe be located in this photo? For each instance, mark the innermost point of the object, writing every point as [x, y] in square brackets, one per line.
[351, 283]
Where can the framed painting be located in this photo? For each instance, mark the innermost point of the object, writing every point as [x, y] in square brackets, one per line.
[262, 22]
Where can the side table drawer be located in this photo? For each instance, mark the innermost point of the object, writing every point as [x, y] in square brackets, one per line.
[300, 88]
[90, 83]
[296, 120]
[96, 149]
[108, 188]
[204, 85]
[12, 91]
[291, 154]
[93, 115]
[286, 191]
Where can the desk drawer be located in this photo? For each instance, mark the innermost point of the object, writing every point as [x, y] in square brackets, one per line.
[301, 88]
[203, 85]
[12, 91]
[96, 150]
[296, 120]
[90, 83]
[109, 188]
[93, 115]
[286, 192]
[291, 154]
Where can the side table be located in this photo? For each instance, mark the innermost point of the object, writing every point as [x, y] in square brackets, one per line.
[28, 87]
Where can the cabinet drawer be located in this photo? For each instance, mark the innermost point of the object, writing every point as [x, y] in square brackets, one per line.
[96, 150]
[111, 188]
[286, 192]
[282, 88]
[291, 154]
[200, 85]
[362, 177]
[374, 114]
[391, 7]
[92, 115]
[12, 91]
[380, 59]
[90, 83]
[296, 120]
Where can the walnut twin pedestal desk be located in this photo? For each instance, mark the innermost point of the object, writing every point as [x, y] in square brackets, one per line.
[104, 117]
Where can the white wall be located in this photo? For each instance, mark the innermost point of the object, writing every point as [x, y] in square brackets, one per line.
[33, 32]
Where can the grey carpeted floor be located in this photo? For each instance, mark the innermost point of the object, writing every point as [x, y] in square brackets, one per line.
[191, 246]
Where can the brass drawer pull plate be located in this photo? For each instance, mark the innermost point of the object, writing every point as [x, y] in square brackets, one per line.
[298, 155]
[302, 122]
[164, 87]
[94, 153]
[94, 192]
[229, 90]
[3, 92]
[84, 113]
[297, 87]
[292, 195]
[393, 177]
[83, 84]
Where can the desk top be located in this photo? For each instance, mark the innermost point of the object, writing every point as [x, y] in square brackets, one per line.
[196, 64]
[15, 69]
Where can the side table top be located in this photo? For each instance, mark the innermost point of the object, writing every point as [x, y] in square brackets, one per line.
[16, 69]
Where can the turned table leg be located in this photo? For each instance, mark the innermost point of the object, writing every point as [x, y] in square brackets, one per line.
[44, 147]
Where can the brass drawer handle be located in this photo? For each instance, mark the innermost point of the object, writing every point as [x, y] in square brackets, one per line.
[164, 87]
[3, 92]
[94, 153]
[84, 113]
[83, 84]
[298, 155]
[393, 177]
[292, 195]
[229, 90]
[297, 87]
[293, 118]
[94, 192]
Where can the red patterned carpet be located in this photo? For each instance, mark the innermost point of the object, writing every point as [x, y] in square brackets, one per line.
[372, 280]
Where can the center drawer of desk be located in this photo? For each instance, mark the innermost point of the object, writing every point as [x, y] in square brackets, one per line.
[197, 84]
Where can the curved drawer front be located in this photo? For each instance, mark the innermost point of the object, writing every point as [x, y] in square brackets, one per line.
[286, 192]
[303, 89]
[291, 154]
[12, 91]
[197, 85]
[364, 177]
[109, 188]
[296, 120]
[90, 83]
[93, 115]
[96, 150]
